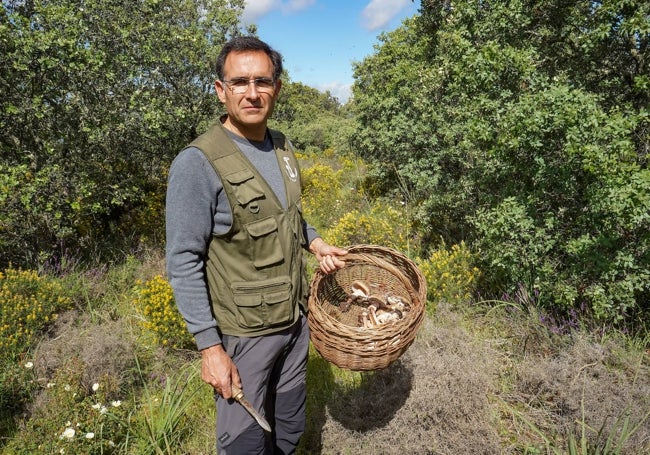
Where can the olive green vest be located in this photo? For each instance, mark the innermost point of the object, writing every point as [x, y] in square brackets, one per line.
[256, 271]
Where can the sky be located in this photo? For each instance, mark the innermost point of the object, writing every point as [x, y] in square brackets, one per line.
[319, 39]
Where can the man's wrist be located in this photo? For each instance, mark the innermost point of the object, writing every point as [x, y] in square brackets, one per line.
[211, 349]
[316, 244]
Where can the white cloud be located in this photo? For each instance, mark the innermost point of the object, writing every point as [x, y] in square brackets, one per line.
[378, 13]
[340, 90]
[256, 9]
[296, 5]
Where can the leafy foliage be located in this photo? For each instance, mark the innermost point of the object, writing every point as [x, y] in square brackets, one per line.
[330, 188]
[450, 275]
[379, 224]
[562, 226]
[155, 302]
[522, 128]
[28, 304]
[95, 104]
[311, 119]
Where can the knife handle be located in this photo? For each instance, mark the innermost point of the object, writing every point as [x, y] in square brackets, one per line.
[237, 393]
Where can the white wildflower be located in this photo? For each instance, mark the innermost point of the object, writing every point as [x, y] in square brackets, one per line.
[116, 403]
[49, 385]
[111, 444]
[90, 435]
[95, 387]
[67, 388]
[68, 433]
[29, 365]
[97, 406]
[103, 410]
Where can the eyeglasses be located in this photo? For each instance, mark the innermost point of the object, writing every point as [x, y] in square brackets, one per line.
[240, 85]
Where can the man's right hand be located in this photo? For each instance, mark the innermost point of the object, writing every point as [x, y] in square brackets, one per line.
[218, 370]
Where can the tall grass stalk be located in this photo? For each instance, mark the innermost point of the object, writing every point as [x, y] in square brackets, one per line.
[161, 426]
[610, 442]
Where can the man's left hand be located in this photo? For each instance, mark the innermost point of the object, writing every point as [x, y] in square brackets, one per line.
[329, 257]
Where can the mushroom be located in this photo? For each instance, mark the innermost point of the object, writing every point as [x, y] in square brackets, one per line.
[360, 288]
[372, 316]
[364, 320]
[359, 292]
[396, 303]
[382, 317]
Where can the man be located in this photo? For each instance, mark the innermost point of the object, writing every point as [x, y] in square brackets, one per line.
[235, 236]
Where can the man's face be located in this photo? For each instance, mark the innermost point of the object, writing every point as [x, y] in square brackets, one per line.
[248, 111]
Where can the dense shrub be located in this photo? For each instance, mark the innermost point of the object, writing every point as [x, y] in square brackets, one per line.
[330, 188]
[450, 274]
[28, 303]
[380, 225]
[160, 317]
[536, 152]
[573, 225]
[94, 106]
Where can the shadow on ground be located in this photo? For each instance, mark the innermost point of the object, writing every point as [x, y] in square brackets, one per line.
[369, 405]
[375, 401]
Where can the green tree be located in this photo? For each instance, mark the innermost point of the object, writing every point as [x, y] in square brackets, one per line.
[97, 97]
[312, 119]
[521, 127]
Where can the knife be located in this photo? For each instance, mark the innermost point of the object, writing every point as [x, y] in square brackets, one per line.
[238, 395]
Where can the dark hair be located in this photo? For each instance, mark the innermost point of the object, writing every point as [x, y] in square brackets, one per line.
[249, 43]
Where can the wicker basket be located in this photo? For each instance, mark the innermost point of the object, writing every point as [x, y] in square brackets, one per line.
[336, 335]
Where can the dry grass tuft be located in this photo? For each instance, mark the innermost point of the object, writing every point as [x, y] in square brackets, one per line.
[104, 350]
[490, 384]
[592, 383]
[435, 400]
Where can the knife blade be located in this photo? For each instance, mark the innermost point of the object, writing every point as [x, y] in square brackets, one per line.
[238, 395]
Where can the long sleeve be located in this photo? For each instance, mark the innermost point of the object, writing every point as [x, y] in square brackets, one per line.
[191, 204]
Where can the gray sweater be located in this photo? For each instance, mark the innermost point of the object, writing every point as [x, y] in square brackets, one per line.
[196, 208]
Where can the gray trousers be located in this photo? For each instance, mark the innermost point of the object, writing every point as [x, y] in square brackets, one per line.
[273, 371]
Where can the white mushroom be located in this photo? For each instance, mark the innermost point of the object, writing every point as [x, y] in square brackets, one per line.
[360, 288]
[396, 303]
[382, 317]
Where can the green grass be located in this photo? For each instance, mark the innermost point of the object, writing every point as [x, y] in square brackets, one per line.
[162, 420]
[484, 377]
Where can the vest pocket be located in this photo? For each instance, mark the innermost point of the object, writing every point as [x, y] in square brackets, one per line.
[263, 303]
[266, 244]
[245, 187]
